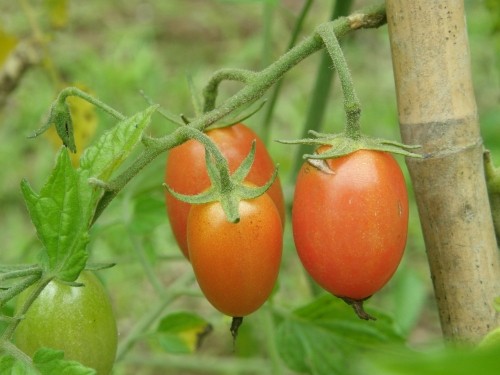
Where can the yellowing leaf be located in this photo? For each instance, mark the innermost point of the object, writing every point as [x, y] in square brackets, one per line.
[84, 119]
[182, 332]
[7, 43]
[58, 12]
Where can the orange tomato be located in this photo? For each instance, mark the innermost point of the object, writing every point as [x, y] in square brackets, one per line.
[186, 173]
[236, 265]
[350, 225]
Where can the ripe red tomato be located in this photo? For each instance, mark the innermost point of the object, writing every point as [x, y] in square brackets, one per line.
[186, 173]
[350, 226]
[77, 320]
[236, 265]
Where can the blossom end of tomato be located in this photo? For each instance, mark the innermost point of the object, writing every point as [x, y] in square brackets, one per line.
[357, 305]
[235, 326]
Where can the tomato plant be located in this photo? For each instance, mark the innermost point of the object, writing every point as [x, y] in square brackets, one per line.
[186, 172]
[350, 222]
[77, 320]
[236, 264]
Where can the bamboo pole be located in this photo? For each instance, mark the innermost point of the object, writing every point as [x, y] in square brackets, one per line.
[437, 110]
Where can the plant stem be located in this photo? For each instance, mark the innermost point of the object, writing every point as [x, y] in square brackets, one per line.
[74, 91]
[12, 350]
[211, 89]
[266, 130]
[320, 94]
[32, 270]
[41, 284]
[352, 105]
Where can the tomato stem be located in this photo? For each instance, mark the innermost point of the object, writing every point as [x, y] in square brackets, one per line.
[235, 326]
[357, 305]
[11, 349]
[41, 284]
[211, 89]
[352, 105]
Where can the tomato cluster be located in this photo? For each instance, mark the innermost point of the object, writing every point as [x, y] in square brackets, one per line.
[349, 218]
[186, 172]
[236, 264]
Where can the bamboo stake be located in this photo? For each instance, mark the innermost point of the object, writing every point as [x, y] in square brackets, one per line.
[437, 110]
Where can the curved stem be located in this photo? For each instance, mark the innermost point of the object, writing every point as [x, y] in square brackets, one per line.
[211, 89]
[220, 160]
[352, 105]
[74, 91]
[320, 94]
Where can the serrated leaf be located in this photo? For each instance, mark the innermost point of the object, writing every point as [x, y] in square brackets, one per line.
[60, 215]
[113, 147]
[182, 332]
[319, 337]
[52, 362]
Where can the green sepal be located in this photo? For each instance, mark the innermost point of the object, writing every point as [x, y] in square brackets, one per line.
[60, 117]
[228, 189]
[343, 144]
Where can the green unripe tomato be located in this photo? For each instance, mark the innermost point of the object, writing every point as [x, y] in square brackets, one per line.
[77, 320]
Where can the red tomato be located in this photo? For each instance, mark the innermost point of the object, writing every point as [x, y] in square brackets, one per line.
[350, 227]
[186, 172]
[236, 265]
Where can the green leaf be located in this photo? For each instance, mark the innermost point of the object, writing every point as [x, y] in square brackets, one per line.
[182, 332]
[52, 362]
[438, 362]
[60, 215]
[149, 213]
[45, 362]
[110, 151]
[8, 365]
[320, 337]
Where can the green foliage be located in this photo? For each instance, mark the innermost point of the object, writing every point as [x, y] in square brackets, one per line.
[438, 362]
[182, 332]
[321, 337]
[58, 213]
[65, 206]
[164, 40]
[45, 362]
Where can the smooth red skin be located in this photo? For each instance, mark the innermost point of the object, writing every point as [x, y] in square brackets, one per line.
[350, 227]
[236, 265]
[186, 173]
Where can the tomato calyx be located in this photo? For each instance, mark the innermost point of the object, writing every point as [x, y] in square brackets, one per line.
[226, 188]
[345, 143]
[357, 305]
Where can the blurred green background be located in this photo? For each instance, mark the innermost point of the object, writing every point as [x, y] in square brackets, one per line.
[116, 49]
